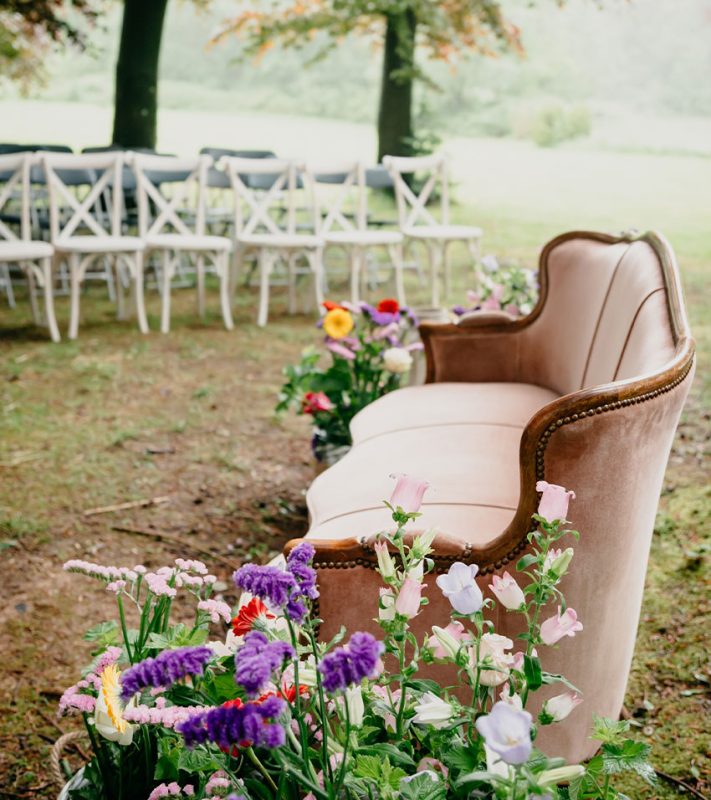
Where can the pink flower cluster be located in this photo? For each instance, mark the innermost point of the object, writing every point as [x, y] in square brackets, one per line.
[216, 609]
[101, 572]
[74, 698]
[171, 790]
[162, 714]
[217, 786]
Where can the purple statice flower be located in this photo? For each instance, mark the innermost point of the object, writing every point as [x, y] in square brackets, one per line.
[348, 665]
[256, 660]
[237, 724]
[299, 565]
[283, 588]
[165, 669]
[268, 583]
[380, 317]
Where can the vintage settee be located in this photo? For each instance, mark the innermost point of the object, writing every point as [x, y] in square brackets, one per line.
[586, 392]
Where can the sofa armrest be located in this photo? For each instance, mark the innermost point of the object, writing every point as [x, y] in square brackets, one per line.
[481, 347]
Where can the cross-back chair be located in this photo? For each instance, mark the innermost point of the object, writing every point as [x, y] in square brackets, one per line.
[270, 223]
[345, 225]
[16, 245]
[418, 221]
[85, 223]
[172, 199]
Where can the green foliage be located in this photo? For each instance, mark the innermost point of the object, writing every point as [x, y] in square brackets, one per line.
[556, 123]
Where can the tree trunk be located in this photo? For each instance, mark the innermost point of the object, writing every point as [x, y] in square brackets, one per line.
[395, 129]
[136, 103]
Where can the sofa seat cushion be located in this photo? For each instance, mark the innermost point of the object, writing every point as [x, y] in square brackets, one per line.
[473, 471]
[438, 404]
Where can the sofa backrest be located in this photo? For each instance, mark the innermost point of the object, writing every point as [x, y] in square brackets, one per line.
[606, 317]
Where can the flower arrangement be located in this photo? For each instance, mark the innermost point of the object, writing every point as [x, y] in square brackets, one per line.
[369, 356]
[272, 712]
[501, 287]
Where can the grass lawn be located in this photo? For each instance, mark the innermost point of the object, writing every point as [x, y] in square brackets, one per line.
[117, 416]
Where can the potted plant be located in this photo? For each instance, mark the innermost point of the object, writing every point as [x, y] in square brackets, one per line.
[369, 354]
[501, 287]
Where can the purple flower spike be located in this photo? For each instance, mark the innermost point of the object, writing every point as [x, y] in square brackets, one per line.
[348, 665]
[256, 660]
[165, 669]
[232, 725]
[268, 583]
[507, 731]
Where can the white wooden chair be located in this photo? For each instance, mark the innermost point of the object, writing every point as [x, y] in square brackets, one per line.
[418, 223]
[267, 223]
[173, 224]
[85, 229]
[345, 225]
[33, 257]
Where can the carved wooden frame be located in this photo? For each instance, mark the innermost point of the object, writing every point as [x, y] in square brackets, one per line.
[566, 410]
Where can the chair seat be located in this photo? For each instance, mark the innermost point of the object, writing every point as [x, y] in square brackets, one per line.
[99, 244]
[443, 232]
[188, 242]
[291, 241]
[17, 250]
[463, 438]
[363, 238]
[435, 404]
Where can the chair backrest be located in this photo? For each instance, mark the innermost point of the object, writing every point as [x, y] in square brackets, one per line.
[346, 207]
[607, 315]
[413, 204]
[15, 195]
[84, 192]
[277, 209]
[171, 194]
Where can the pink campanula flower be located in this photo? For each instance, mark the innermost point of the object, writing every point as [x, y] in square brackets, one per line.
[554, 502]
[565, 624]
[507, 591]
[561, 705]
[408, 600]
[493, 656]
[408, 493]
[459, 587]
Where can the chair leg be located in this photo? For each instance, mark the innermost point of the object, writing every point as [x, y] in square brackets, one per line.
[74, 286]
[223, 268]
[138, 293]
[291, 266]
[397, 259]
[46, 267]
[433, 254]
[236, 269]
[200, 278]
[8, 286]
[265, 262]
[113, 267]
[356, 265]
[316, 263]
[32, 291]
[166, 275]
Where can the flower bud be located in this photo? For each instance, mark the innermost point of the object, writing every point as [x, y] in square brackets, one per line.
[552, 777]
[448, 640]
[386, 565]
[562, 562]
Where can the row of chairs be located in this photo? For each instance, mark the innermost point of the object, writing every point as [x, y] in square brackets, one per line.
[125, 210]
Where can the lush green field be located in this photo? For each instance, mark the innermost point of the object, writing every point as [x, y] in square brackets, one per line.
[116, 416]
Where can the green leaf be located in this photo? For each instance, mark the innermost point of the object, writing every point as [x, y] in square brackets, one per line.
[367, 767]
[105, 633]
[533, 673]
[167, 766]
[462, 759]
[526, 561]
[609, 731]
[385, 750]
[630, 756]
[197, 760]
[422, 787]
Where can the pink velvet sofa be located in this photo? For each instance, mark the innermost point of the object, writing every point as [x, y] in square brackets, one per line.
[585, 392]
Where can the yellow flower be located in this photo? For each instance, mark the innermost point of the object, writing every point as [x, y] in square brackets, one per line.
[108, 714]
[338, 323]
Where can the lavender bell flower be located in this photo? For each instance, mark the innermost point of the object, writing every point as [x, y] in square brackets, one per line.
[256, 660]
[165, 669]
[507, 731]
[459, 587]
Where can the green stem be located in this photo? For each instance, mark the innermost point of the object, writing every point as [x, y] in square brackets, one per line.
[124, 630]
[325, 762]
[252, 756]
[99, 753]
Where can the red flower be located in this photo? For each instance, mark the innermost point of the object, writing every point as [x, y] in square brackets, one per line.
[389, 306]
[314, 402]
[329, 305]
[249, 613]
